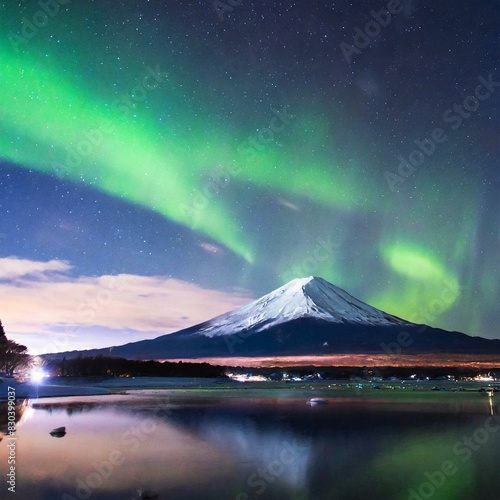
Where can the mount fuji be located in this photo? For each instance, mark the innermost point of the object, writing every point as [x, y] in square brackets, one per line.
[307, 316]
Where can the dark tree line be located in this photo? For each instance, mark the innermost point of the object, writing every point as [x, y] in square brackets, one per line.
[13, 356]
[101, 366]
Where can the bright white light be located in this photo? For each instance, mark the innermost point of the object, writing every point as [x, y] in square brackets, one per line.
[37, 375]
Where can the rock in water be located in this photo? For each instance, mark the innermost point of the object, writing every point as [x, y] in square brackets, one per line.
[58, 432]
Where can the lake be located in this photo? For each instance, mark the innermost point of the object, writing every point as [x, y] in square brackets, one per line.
[251, 443]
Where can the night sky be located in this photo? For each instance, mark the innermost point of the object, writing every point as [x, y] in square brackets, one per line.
[164, 162]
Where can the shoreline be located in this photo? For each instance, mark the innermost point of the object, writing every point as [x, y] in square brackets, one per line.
[94, 386]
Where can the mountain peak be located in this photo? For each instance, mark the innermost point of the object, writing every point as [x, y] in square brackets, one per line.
[300, 282]
[307, 316]
[309, 297]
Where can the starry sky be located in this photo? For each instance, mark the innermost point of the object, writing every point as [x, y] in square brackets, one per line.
[164, 162]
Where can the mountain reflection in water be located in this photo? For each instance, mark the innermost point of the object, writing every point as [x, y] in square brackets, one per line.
[259, 447]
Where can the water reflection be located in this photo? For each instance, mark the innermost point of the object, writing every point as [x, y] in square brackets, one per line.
[245, 448]
[20, 407]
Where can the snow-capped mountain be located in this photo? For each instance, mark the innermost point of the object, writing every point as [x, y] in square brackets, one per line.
[307, 316]
[311, 297]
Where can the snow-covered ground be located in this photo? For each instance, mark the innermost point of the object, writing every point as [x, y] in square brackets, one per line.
[89, 387]
[29, 390]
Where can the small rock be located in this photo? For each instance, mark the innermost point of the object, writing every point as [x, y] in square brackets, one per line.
[58, 432]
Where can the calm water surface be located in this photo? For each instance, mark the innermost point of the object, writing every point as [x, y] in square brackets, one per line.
[267, 444]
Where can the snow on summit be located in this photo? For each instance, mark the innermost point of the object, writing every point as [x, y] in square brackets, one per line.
[300, 298]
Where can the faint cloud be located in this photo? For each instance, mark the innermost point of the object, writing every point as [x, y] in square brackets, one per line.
[288, 204]
[36, 310]
[211, 248]
[13, 268]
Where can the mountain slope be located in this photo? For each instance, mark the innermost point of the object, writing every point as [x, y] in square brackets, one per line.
[307, 316]
[310, 297]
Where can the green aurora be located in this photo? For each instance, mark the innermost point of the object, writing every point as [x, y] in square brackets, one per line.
[412, 255]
